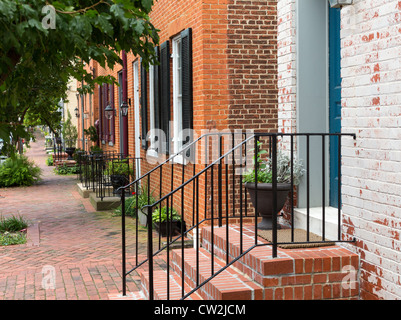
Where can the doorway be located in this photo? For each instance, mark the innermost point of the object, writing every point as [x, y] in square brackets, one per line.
[334, 101]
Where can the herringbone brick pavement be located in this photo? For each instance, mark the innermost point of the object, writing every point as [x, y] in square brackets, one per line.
[78, 255]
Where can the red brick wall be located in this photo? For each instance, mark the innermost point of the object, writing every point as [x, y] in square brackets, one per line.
[234, 75]
[252, 57]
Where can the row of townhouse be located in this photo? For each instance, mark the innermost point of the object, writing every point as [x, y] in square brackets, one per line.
[291, 66]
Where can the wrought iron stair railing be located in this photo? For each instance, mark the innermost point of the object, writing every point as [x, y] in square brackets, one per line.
[224, 197]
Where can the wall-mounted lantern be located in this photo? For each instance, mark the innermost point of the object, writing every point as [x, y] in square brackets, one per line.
[124, 108]
[340, 3]
[109, 112]
[76, 112]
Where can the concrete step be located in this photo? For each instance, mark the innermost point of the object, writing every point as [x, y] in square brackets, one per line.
[108, 203]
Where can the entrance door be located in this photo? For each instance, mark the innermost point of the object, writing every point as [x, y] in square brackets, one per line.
[137, 137]
[335, 99]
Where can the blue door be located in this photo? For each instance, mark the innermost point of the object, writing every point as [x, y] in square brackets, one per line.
[335, 99]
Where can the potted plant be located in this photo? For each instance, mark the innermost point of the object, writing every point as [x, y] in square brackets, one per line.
[161, 221]
[134, 205]
[92, 134]
[70, 134]
[264, 187]
[119, 172]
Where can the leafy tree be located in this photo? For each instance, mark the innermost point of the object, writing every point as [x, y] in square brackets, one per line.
[44, 43]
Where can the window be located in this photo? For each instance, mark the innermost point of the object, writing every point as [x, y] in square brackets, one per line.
[152, 150]
[182, 92]
[181, 58]
[177, 94]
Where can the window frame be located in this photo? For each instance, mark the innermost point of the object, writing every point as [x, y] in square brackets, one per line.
[152, 112]
[177, 98]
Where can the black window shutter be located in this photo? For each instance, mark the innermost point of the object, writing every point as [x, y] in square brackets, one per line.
[101, 124]
[165, 94]
[156, 90]
[113, 124]
[144, 106]
[186, 70]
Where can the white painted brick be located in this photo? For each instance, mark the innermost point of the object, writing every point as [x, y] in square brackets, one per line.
[371, 108]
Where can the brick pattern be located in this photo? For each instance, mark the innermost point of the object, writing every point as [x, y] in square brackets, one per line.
[370, 43]
[229, 92]
[252, 65]
[296, 274]
[85, 268]
[370, 50]
[286, 64]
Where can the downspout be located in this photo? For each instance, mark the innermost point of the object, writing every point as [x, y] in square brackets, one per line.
[125, 99]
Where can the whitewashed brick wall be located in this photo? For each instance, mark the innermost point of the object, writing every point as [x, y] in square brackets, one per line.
[287, 56]
[371, 107]
[286, 45]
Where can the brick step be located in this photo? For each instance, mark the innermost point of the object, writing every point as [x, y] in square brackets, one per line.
[160, 286]
[302, 274]
[228, 285]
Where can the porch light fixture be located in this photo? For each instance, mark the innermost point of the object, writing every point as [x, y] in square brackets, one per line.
[76, 112]
[109, 112]
[340, 3]
[124, 109]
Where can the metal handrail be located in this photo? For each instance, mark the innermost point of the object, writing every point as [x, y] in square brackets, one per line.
[209, 168]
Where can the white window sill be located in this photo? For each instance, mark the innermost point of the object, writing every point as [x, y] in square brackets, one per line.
[179, 159]
[315, 221]
[152, 153]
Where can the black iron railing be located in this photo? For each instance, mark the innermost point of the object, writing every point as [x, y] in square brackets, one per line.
[224, 168]
[105, 172]
[58, 150]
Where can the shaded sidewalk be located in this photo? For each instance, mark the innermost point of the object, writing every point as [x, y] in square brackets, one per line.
[74, 252]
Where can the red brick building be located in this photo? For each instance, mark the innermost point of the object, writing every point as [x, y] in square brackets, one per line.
[218, 70]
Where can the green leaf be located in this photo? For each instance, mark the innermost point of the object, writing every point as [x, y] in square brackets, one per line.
[147, 4]
[104, 25]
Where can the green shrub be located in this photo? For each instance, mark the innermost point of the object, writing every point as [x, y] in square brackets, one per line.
[131, 203]
[161, 215]
[50, 161]
[12, 224]
[19, 171]
[64, 169]
[10, 230]
[8, 239]
[119, 167]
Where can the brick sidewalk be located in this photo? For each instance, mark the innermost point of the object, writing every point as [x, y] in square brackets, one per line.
[80, 247]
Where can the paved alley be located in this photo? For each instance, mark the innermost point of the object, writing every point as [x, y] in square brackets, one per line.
[73, 253]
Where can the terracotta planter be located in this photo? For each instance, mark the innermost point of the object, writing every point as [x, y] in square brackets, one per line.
[265, 200]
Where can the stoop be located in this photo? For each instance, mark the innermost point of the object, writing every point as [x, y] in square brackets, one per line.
[320, 273]
[108, 203]
[83, 191]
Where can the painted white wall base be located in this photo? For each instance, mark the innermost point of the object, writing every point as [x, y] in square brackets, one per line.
[315, 221]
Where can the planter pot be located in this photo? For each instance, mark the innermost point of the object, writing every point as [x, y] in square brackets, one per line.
[161, 227]
[265, 200]
[70, 152]
[118, 180]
